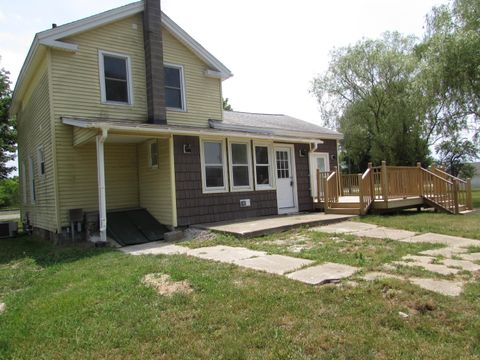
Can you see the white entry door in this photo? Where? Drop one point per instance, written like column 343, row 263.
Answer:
column 286, row 185
column 318, row 161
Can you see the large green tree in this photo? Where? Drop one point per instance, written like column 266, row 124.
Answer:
column 369, row 94
column 8, row 133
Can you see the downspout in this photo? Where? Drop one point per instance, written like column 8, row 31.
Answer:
column 102, row 204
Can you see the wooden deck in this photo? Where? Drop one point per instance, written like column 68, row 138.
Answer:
column 386, row 188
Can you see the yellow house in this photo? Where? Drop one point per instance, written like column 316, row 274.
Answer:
column 123, row 110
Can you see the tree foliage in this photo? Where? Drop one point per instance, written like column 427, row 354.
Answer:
column 9, row 195
column 226, row 105
column 8, row 133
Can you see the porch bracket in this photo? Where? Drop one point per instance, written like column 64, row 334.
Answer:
column 102, row 205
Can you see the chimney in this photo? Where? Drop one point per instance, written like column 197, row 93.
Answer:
column 153, row 44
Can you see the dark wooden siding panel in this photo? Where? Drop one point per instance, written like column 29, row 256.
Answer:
column 330, row 147
column 194, row 207
column 305, row 201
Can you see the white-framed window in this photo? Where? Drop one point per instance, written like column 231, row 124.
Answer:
column 214, row 165
column 153, row 154
column 41, row 161
column 263, row 164
column 240, row 165
column 31, row 177
column 115, row 78
column 24, row 182
column 174, row 87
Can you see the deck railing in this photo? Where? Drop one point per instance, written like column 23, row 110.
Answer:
column 385, row 183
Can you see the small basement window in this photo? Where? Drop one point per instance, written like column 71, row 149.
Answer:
column 213, row 166
column 153, row 154
column 174, row 87
column 115, row 78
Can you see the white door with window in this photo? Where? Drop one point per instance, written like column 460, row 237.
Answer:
column 318, row 161
column 286, row 184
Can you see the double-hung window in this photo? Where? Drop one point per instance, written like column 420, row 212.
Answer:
column 174, row 87
column 240, row 166
column 214, row 166
column 115, row 78
column 263, row 167
column 153, row 154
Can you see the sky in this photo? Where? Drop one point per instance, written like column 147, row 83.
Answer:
column 273, row 47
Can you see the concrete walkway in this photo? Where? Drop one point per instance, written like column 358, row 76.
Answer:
column 449, row 260
column 293, row 267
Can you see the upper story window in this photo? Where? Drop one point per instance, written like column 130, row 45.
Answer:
column 115, row 78
column 174, row 87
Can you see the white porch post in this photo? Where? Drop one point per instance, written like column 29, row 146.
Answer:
column 102, row 204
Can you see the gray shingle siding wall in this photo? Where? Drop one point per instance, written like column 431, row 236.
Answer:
column 305, row 201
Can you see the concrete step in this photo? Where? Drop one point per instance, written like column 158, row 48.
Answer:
column 344, row 211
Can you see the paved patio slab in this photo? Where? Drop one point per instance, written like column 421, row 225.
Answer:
column 226, row 254
column 436, row 268
column 447, row 252
column 274, row 264
column 155, row 248
column 463, row 264
column 444, row 287
column 269, row 224
column 344, row 227
column 419, row 259
column 323, row 273
column 471, row 256
column 385, row 233
column 451, row 241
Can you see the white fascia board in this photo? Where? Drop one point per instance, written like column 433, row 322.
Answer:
column 195, row 47
column 216, row 125
column 191, row 132
column 60, row 45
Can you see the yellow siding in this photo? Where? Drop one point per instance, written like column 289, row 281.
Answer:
column 155, row 184
column 34, row 131
column 82, row 136
column 203, row 94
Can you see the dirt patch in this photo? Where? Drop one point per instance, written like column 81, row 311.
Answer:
column 199, row 235
column 163, row 285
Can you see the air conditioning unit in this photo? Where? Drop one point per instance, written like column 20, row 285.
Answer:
column 8, row 229
column 245, row 203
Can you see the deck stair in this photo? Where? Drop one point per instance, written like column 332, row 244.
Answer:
column 386, row 188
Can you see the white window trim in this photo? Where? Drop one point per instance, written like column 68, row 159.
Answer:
column 230, row 165
column 150, row 165
column 24, row 182
column 39, row 162
column 271, row 185
column 218, row 189
column 31, row 179
column 182, row 89
column 312, row 159
column 101, row 67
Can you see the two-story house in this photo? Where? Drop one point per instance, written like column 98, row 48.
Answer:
column 123, row 110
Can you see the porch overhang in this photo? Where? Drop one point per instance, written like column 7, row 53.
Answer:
column 85, row 131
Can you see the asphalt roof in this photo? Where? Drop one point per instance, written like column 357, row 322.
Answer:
column 274, row 121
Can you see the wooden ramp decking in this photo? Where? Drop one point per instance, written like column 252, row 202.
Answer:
column 386, row 188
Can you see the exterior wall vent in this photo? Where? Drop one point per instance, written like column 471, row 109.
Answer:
column 245, row 203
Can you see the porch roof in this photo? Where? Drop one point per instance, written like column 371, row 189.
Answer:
column 92, row 127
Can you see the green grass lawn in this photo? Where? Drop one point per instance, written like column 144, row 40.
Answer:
column 82, row 303
column 457, row 225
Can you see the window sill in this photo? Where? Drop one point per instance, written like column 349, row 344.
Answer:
column 214, row 191
column 176, row 109
column 116, row 103
column 266, row 187
column 241, row 189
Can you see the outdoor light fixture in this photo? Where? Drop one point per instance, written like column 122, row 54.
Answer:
column 302, row 153
column 187, row 148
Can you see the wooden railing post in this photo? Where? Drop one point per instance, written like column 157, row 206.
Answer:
column 338, row 182
column 325, row 194
column 419, row 178
column 469, row 194
column 360, row 195
column 455, row 195
column 384, row 181
column 372, row 181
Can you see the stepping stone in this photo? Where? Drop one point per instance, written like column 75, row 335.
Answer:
column 385, row 233
column 371, row 276
column 226, row 254
column 444, row 287
column 421, row 260
column 451, row 241
column 346, row 227
column 320, row 274
column 447, row 252
column 463, row 264
column 471, row 256
column 436, row 268
column 274, row 264
column 155, row 248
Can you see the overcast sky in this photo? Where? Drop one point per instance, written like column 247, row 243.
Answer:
column 273, row 47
